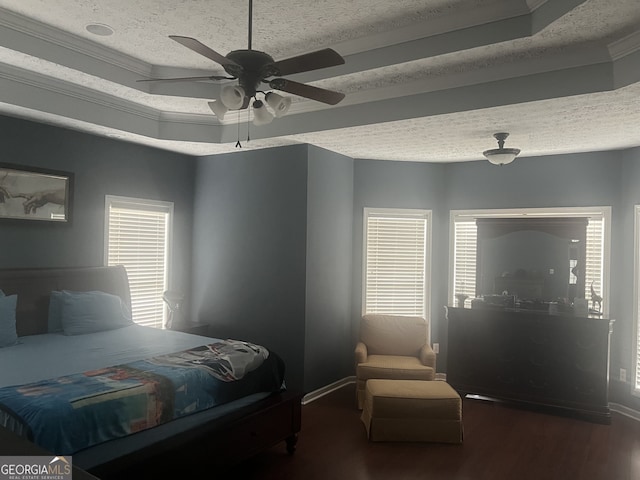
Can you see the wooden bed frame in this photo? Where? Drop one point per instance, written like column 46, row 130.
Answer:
column 220, row 442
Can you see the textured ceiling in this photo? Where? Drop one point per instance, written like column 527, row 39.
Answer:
column 427, row 80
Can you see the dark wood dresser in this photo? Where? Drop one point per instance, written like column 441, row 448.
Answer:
column 557, row 361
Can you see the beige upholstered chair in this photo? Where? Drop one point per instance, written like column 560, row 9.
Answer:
column 392, row 347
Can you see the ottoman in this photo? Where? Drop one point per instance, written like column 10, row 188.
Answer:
column 412, row 411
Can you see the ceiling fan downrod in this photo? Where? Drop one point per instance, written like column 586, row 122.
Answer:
column 250, row 22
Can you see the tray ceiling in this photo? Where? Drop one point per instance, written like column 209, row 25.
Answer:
column 428, row 80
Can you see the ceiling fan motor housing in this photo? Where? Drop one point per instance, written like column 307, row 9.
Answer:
column 252, row 67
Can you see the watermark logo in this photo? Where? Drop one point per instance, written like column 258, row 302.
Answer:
column 42, row 467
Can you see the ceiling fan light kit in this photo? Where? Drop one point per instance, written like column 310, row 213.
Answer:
column 218, row 108
column 251, row 68
column 261, row 116
column 232, row 96
column 279, row 104
column 501, row 155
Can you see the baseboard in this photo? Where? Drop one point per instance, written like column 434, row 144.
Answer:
column 321, row 392
column 626, row 411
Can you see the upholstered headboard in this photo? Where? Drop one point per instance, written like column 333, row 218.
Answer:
column 34, row 286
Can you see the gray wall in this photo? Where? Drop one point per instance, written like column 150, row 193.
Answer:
column 623, row 276
column 272, row 256
column 101, row 167
column 328, row 351
column 249, row 270
column 386, row 184
column 578, row 180
column 554, row 181
column 267, row 264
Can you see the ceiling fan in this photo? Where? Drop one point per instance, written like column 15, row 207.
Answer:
column 252, row 68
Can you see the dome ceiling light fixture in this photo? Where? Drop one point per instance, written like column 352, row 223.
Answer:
column 501, row 155
column 253, row 68
column 99, row 29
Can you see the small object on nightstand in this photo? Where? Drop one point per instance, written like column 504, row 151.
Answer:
column 461, row 297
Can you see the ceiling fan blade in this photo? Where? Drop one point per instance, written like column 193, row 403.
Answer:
column 202, row 49
column 185, row 79
column 309, row 61
column 307, row 91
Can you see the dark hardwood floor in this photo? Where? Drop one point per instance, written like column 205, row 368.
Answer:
column 500, row 443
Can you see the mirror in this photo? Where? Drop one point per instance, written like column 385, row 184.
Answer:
column 533, row 259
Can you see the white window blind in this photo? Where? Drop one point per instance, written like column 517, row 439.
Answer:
column 595, row 256
column 395, row 264
column 464, row 258
column 138, row 236
column 636, row 307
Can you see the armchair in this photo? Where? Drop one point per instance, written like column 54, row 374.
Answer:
column 392, row 347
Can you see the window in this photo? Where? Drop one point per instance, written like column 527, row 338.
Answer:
column 636, row 306
column 138, row 236
column 595, row 256
column 465, row 233
column 464, row 240
column 396, row 261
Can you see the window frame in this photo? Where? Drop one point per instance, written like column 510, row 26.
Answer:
column 635, row 390
column 144, row 204
column 600, row 211
column 428, row 215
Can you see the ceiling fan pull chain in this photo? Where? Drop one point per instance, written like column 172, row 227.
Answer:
column 248, row 124
column 238, row 144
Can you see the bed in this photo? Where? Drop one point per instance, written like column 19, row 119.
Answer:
column 193, row 433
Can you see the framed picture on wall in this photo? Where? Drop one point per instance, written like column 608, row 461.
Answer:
column 29, row 193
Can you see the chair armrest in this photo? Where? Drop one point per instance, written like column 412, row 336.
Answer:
column 428, row 356
column 361, row 353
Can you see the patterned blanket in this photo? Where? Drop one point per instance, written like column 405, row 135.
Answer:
column 70, row 413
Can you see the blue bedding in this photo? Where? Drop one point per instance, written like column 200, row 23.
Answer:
column 73, row 412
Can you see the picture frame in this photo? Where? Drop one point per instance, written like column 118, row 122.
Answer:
column 35, row 194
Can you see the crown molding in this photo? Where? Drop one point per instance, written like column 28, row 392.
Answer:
column 497, row 21
column 460, row 19
column 564, row 64
column 625, row 46
column 31, row 90
column 72, row 90
column 50, row 36
column 535, row 4
column 189, row 118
